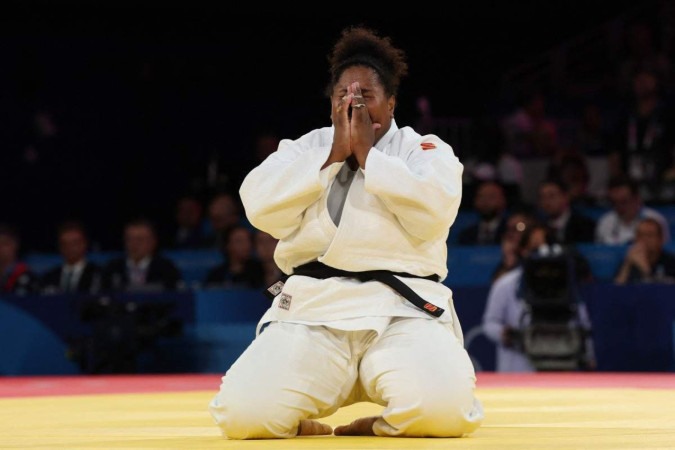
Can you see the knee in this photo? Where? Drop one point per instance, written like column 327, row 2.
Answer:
column 440, row 413
column 450, row 415
column 240, row 418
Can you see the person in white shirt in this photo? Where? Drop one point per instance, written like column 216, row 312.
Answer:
column 362, row 211
column 618, row 226
column 506, row 312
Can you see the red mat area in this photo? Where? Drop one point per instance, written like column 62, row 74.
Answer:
column 117, row 384
column 105, row 384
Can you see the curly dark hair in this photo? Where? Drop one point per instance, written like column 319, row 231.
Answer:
column 361, row 46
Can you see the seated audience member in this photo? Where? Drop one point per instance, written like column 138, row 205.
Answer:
column 505, row 312
column 224, row 212
column 573, row 171
column 617, row 226
column 142, row 267
column 529, row 132
column 646, row 260
column 516, row 224
column 240, row 269
column 265, row 245
column 76, row 274
column 568, row 225
column 16, row 277
column 189, row 232
column 490, row 203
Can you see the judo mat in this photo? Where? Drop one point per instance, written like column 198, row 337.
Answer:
column 523, row 411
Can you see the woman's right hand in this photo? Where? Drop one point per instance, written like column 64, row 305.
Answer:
column 341, row 149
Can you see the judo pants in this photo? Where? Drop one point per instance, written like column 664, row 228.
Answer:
column 417, row 370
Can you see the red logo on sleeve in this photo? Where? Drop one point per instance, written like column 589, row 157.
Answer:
column 428, row 145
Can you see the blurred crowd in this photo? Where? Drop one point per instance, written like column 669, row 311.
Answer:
column 593, row 162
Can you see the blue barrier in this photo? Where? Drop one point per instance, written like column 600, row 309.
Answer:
column 29, row 347
column 604, row 260
column 195, row 264
column 462, row 221
column 474, row 265
column 633, row 329
column 471, row 265
column 633, row 326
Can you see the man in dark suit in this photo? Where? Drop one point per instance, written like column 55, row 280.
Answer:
column 142, row 268
column 490, row 204
column 569, row 226
column 76, row 274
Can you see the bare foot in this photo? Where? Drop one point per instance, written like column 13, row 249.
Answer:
column 359, row 427
column 313, row 428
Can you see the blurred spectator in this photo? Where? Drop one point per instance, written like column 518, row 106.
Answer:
column 76, row 274
column 15, row 276
column 593, row 138
column 265, row 245
column 43, row 179
column 190, row 232
column 425, row 122
column 264, row 143
column 592, row 145
column 240, row 269
column 488, row 159
column 516, row 224
column 506, row 313
column 642, row 52
column 528, row 131
column 646, row 260
column 572, row 170
column 489, row 202
column 645, row 138
column 224, row 213
column 568, row 225
column 142, row 267
column 618, row 226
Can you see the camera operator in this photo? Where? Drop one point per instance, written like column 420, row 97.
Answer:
column 503, row 319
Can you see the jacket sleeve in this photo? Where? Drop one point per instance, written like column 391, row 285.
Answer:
column 423, row 191
column 277, row 193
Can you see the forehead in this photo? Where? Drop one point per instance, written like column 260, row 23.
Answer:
column 366, row 76
column 489, row 189
column 71, row 234
column 138, row 230
column 240, row 232
column 620, row 191
column 537, row 236
column 550, row 188
column 649, row 227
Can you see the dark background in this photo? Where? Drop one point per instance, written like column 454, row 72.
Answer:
column 145, row 96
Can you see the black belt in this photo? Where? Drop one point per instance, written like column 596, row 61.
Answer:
column 321, row 271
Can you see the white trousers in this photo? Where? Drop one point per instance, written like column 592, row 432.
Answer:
column 417, row 369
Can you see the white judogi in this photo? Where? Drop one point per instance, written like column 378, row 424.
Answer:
column 396, row 216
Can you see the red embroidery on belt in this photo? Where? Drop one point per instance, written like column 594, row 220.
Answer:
column 428, row 145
